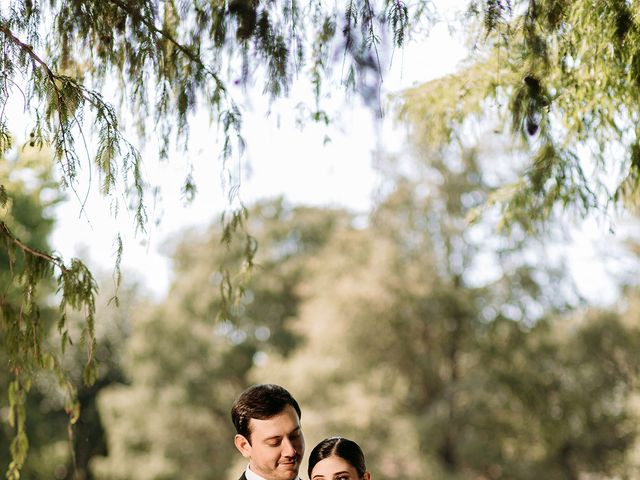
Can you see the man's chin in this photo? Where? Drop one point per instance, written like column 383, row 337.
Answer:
column 290, row 470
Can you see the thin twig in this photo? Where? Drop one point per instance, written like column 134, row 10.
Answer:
column 32, row 251
column 52, row 78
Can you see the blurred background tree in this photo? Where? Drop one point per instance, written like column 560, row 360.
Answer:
column 440, row 347
column 185, row 366
column 452, row 352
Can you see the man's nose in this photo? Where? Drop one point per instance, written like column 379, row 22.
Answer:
column 289, row 449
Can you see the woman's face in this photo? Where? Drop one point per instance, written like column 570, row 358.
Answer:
column 336, row 468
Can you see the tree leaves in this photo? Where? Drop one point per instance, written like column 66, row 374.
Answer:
column 562, row 75
column 26, row 277
column 18, row 390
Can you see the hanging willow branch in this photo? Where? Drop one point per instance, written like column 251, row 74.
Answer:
column 23, row 333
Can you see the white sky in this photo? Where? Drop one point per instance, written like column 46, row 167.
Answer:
column 284, row 160
column 280, row 159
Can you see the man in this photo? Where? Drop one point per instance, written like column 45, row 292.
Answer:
column 268, row 432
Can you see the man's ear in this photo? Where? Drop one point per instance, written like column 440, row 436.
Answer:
column 366, row 476
column 243, row 445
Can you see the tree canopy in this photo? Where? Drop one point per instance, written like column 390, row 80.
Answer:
column 562, row 76
column 95, row 79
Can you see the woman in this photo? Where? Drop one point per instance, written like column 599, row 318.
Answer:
column 337, row 458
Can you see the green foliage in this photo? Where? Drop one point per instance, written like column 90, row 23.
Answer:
column 568, row 386
column 57, row 449
column 563, row 76
column 26, row 282
column 170, row 59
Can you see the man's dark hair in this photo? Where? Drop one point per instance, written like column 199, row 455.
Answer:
column 260, row 402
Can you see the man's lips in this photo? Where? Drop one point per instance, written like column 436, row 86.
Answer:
column 288, row 463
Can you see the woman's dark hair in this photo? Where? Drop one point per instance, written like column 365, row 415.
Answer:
column 260, row 402
column 341, row 447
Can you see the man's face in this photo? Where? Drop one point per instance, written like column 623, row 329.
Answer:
column 276, row 447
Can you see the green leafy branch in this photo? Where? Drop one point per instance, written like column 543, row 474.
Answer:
column 24, row 334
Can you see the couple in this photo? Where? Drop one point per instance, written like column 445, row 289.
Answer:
column 268, row 434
